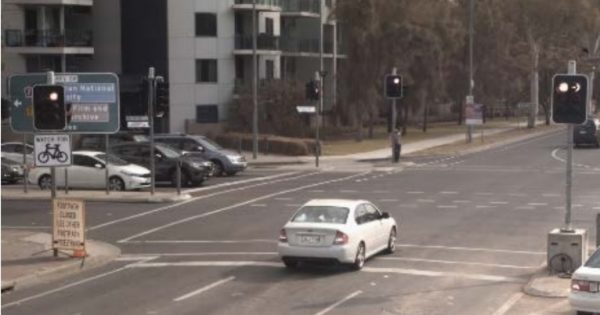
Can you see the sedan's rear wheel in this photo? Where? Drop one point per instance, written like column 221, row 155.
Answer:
column 45, row 182
column 391, row 242
column 359, row 261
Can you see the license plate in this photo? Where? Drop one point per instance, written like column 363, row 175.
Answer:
column 310, row 239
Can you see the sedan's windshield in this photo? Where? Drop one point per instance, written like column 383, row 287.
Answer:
column 594, row 261
column 112, row 159
column 321, row 214
column 209, row 144
column 168, row 151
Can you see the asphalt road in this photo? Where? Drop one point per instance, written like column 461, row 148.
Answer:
column 472, row 231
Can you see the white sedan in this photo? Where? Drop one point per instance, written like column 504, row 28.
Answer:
column 336, row 230
column 585, row 286
column 88, row 170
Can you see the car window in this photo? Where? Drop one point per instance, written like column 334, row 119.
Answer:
column 321, row 214
column 190, row 145
column 360, row 215
column 112, row 159
column 594, row 261
column 168, row 151
column 372, row 212
column 208, row 144
column 85, row 161
column 9, row 148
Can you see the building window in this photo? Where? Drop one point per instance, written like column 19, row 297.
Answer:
column 206, row 70
column 270, row 68
column 206, row 24
column 269, row 28
column 239, row 68
column 207, row 114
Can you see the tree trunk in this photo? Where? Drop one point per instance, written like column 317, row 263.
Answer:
column 425, row 106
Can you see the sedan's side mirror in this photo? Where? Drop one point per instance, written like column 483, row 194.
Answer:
column 385, row 215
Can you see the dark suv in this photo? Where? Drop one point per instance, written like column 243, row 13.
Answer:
column 587, row 133
column 225, row 161
column 193, row 171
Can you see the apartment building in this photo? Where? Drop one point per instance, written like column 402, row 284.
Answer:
column 203, row 48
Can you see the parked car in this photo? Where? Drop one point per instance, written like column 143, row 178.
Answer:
column 585, row 286
column 336, row 230
column 193, row 171
column 226, row 162
column 11, row 171
column 587, row 133
column 98, row 142
column 89, row 171
column 14, row 151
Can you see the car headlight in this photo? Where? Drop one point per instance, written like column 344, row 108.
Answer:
column 198, row 165
column 233, row 158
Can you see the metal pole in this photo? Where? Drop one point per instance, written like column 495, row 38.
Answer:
column 598, row 230
column 394, row 121
column 25, row 167
column 254, row 85
column 50, row 79
column 318, row 123
column 106, row 168
column 151, row 78
column 179, row 176
column 334, row 61
column 569, row 186
column 66, row 181
column 471, row 83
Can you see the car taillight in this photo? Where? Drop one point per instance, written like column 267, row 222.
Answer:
column 340, row 238
column 585, row 286
column 283, row 236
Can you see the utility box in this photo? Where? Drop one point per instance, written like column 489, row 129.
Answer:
column 567, row 250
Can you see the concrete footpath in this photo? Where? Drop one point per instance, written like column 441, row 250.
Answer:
column 27, row 259
column 95, row 195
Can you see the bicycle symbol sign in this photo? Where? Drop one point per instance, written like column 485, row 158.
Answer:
column 52, row 150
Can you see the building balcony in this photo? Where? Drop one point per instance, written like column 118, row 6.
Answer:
column 306, row 46
column 261, row 5
column 265, row 44
column 88, row 3
column 47, row 38
column 301, row 8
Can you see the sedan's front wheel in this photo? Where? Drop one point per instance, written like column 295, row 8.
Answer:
column 290, row 264
column 391, row 242
column 359, row 261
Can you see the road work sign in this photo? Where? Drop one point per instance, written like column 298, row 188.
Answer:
column 68, row 230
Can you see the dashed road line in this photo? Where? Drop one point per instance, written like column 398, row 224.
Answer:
column 203, row 289
column 336, row 304
column 415, row 192
column 451, row 262
column 536, row 204
column 509, row 304
column 498, row 202
column 448, row 192
column 447, row 206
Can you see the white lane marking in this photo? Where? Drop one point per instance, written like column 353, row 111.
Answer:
column 473, row 249
column 203, row 289
column 461, row 201
column 535, row 204
column 596, row 208
column 316, row 191
column 388, row 200
column 426, row 200
column 200, row 241
column 73, row 284
column 498, row 202
column 208, row 264
column 258, row 205
column 344, row 191
column 237, row 205
column 137, row 257
column 451, row 262
column 415, row 192
column 556, row 157
column 200, row 254
column 284, row 198
column 447, row 206
column 508, row 304
column 336, row 304
column 448, row 192
column 429, row 273
column 244, row 181
column 138, row 215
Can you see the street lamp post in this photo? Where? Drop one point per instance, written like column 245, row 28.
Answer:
column 254, row 86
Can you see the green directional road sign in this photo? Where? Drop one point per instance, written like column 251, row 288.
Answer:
column 93, row 99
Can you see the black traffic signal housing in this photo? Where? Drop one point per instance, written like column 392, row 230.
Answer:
column 162, row 99
column 393, row 86
column 49, row 111
column 313, row 90
column 569, row 98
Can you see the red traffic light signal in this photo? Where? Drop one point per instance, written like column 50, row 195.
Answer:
column 569, row 98
column 49, row 108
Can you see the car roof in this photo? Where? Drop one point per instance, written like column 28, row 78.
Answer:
column 88, row 153
column 346, row 203
column 19, row 143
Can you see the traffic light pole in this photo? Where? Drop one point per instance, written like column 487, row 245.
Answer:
column 151, row 78
column 569, row 186
column 50, row 79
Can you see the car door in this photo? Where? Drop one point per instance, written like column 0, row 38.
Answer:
column 162, row 164
column 366, row 227
column 380, row 228
column 86, row 172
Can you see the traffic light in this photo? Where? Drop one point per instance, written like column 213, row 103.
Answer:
column 162, row 99
column 49, row 107
column 393, row 86
column 569, row 98
column 313, row 90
